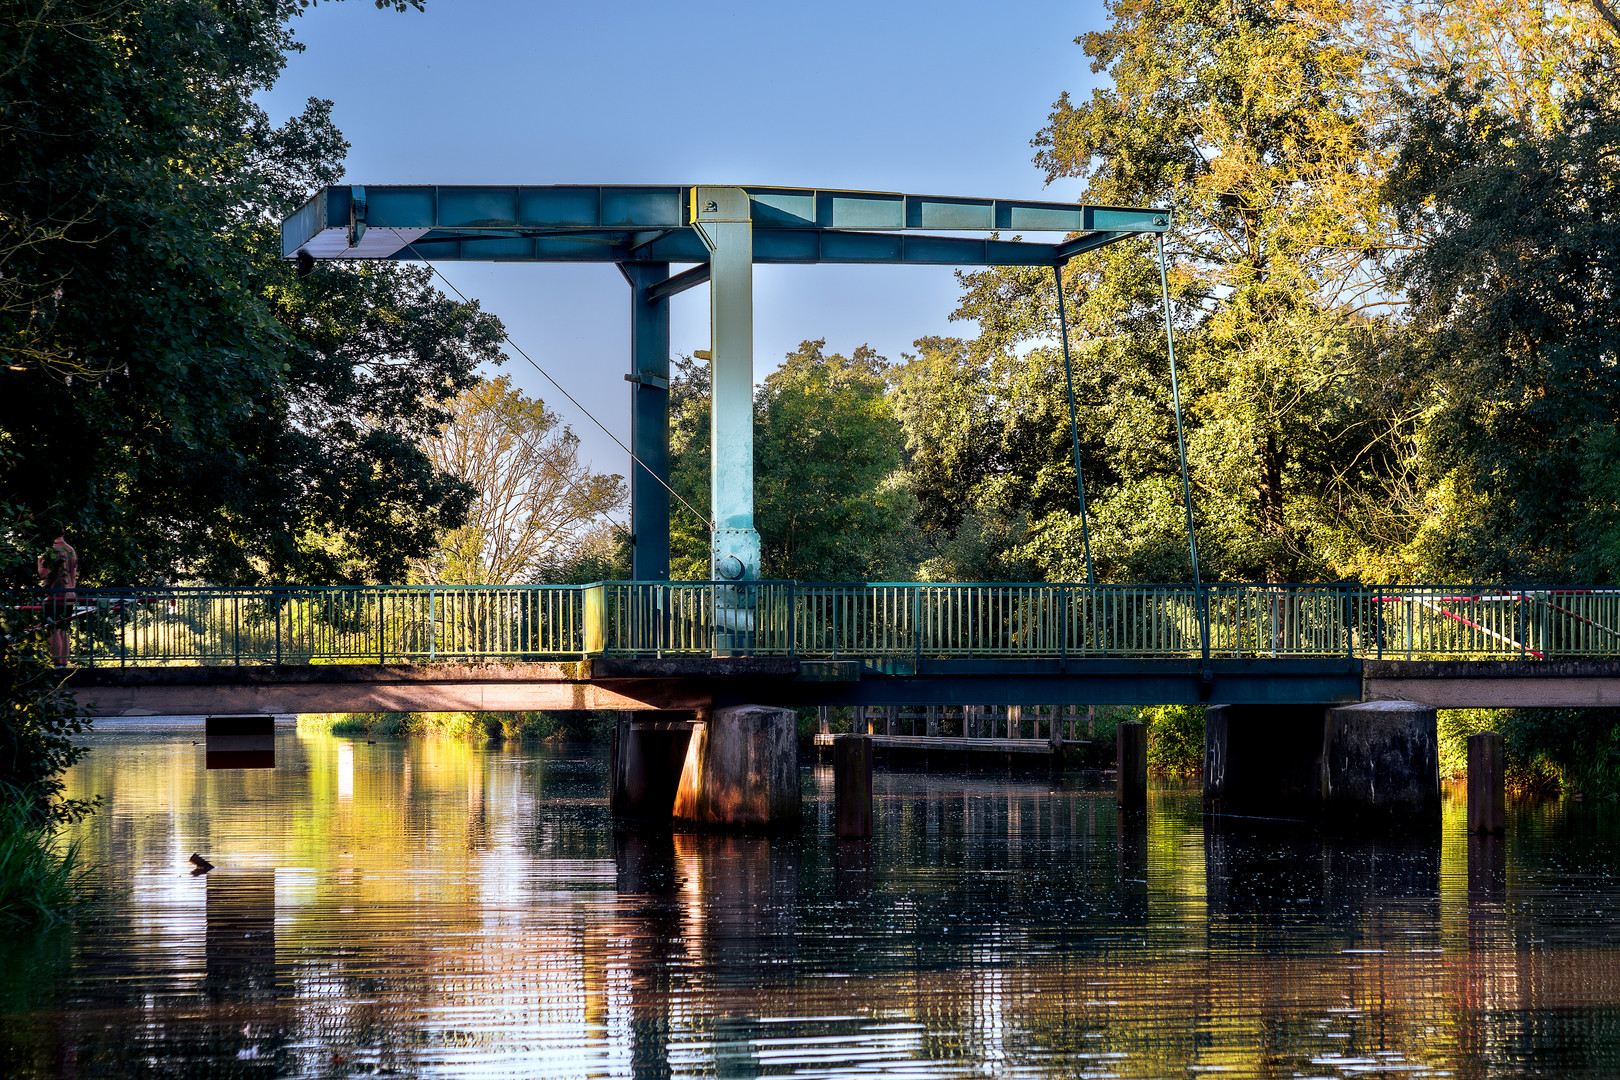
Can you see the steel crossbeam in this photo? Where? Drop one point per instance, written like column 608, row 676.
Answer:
column 724, row 232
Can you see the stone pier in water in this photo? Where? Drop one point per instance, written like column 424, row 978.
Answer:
column 729, row 768
column 1344, row 764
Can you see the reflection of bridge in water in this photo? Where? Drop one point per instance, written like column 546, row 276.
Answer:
column 445, row 890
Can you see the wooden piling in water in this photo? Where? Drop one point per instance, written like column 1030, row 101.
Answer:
column 852, row 786
column 1486, row 792
column 1130, row 744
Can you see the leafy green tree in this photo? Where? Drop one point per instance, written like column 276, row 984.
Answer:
column 1515, row 336
column 1247, row 120
column 831, row 500
column 689, row 399
column 175, row 392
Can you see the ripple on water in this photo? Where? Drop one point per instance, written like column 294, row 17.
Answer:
column 431, row 908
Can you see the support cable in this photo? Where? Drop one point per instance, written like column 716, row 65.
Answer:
column 1074, row 427
column 708, row 522
column 1181, row 448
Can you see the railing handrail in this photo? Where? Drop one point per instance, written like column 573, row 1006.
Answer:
column 891, row 622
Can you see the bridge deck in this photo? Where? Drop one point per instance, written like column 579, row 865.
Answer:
column 700, row 683
column 958, row 743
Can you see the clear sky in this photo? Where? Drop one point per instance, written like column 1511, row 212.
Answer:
column 889, row 95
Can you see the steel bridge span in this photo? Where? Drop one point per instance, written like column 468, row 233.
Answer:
column 681, row 646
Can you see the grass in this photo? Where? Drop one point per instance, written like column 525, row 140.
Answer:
column 41, row 878
column 475, row 726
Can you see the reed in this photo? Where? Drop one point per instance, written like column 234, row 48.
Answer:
column 42, row 877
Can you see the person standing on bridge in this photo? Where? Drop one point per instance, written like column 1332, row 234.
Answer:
column 59, row 571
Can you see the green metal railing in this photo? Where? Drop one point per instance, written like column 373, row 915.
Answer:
column 864, row 621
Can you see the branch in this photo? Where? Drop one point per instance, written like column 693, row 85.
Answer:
column 1608, row 15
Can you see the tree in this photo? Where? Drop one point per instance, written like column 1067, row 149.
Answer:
column 834, row 504
column 1248, row 120
column 1514, row 345
column 539, row 507
column 831, row 499
column 174, row 391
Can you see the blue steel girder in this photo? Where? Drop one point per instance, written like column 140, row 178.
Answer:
column 653, row 224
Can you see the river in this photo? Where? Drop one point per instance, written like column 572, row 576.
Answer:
column 438, row 909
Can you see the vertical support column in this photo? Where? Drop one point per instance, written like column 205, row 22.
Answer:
column 722, row 217
column 1486, row 810
column 1131, row 761
column 852, row 786
column 649, row 423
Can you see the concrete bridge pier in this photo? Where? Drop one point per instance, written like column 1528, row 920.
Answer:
column 645, row 757
column 741, row 770
column 730, row 768
column 1346, row 764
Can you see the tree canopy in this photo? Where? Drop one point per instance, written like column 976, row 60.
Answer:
column 176, row 395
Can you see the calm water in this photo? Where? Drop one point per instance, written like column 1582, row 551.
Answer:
column 436, row 909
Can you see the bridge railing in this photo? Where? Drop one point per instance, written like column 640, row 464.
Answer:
column 878, row 621
column 295, row 625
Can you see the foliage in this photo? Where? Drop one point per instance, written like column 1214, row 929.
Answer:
column 1545, row 751
column 1175, row 739
column 537, row 502
column 831, row 503
column 176, row 393
column 41, row 878
column 1247, row 120
column 36, row 745
column 1515, row 341
column 600, row 554
column 476, row 726
column 689, row 396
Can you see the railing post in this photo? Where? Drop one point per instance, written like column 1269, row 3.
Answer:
column 433, row 624
column 379, row 626
column 1203, row 608
column 916, row 620
column 236, row 628
column 793, row 618
column 1524, row 624
column 275, row 614
column 1063, row 628
column 1378, row 622
column 1349, row 628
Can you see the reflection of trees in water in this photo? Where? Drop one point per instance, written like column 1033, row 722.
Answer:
column 464, row 904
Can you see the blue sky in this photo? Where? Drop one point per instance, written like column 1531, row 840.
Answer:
column 935, row 98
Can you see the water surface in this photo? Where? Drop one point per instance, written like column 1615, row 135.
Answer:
column 436, row 909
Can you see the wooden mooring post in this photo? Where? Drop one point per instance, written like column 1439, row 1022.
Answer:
column 1130, row 745
column 1486, row 791
column 852, row 786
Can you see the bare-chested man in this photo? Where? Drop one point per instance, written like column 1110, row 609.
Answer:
column 59, row 571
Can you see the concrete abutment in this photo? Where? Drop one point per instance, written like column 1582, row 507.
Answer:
column 1343, row 764
column 730, row 768
column 741, row 770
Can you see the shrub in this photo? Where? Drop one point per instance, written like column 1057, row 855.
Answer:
column 1546, row 750
column 36, row 747
column 476, row 726
column 41, row 879
column 1175, row 739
